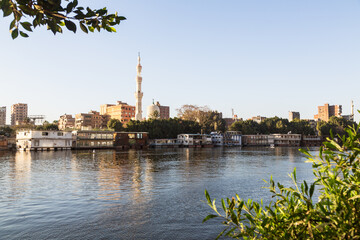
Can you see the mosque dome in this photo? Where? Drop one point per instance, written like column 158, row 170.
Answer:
column 153, row 111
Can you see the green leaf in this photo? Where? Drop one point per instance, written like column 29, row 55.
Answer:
column 70, row 25
column 312, row 187
column 26, row 25
column 207, row 197
column 83, row 27
column 12, row 24
column 14, row 33
column 209, row 217
column 23, row 34
column 7, row 11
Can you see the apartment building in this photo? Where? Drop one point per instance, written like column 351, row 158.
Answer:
column 293, row 116
column 66, row 121
column 19, row 113
column 327, row 111
column 91, row 120
column 121, row 111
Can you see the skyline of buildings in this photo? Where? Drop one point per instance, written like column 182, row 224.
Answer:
column 124, row 112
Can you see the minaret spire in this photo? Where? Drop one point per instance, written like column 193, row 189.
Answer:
column 138, row 93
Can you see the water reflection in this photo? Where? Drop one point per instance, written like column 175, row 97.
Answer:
column 151, row 194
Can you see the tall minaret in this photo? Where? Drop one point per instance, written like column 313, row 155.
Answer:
column 138, row 93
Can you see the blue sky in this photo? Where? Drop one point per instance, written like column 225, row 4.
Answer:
column 259, row 57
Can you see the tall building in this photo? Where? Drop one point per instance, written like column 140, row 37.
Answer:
column 293, row 116
column 138, row 93
column 2, row 116
column 121, row 111
column 327, row 111
column 19, row 113
column 164, row 111
column 66, row 121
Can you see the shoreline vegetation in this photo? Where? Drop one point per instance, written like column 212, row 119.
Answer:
column 293, row 213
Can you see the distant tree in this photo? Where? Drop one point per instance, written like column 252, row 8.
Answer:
column 115, row 124
column 246, row 127
column 301, row 127
column 208, row 120
column 273, row 125
column 7, row 131
column 163, row 128
column 192, row 113
column 336, row 125
column 51, row 127
column 155, row 115
column 47, row 127
column 55, row 14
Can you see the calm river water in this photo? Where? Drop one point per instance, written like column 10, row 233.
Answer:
column 152, row 194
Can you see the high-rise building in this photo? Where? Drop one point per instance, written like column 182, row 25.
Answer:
column 19, row 113
column 121, row 111
column 293, row 116
column 66, row 121
column 327, row 111
column 138, row 93
column 2, row 116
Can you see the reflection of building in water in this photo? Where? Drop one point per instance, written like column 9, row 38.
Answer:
column 122, row 173
column 21, row 177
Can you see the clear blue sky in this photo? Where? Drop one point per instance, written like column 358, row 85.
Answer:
column 259, row 57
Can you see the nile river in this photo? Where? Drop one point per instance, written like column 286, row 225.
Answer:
column 151, row 194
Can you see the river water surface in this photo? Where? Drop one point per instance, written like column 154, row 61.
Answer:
column 151, row 194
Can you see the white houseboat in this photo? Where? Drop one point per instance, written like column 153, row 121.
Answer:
column 43, row 140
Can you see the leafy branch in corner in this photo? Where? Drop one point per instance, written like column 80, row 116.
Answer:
column 54, row 14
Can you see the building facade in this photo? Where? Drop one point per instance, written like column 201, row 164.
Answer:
column 66, row 121
column 19, row 113
column 164, row 111
column 258, row 119
column 327, row 111
column 91, row 120
column 93, row 139
column 121, row 111
column 43, row 140
column 2, row 116
column 293, row 116
column 194, row 140
column 126, row 140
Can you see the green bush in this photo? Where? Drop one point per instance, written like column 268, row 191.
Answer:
column 293, row 214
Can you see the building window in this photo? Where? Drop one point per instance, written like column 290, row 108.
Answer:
column 45, row 133
column 60, row 134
